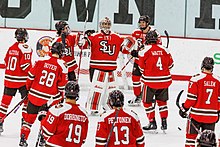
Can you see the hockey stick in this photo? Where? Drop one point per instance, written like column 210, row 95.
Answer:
column 80, row 55
column 15, row 107
column 131, row 58
column 182, row 109
column 168, row 38
column 113, row 125
column 38, row 138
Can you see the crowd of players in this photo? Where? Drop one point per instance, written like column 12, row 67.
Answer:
column 49, row 89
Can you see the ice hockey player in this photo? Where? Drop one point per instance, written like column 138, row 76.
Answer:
column 46, row 81
column 105, row 47
column 69, row 40
column 17, row 63
column 155, row 63
column 139, row 36
column 206, row 139
column 65, row 124
column 203, row 101
column 119, row 127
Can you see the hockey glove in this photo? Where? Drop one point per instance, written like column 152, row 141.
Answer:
column 43, row 112
column 182, row 111
column 134, row 53
column 89, row 32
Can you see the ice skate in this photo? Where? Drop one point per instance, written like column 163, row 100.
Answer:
column 135, row 101
column 42, row 142
column 1, row 127
column 94, row 113
column 23, row 142
column 164, row 125
column 151, row 128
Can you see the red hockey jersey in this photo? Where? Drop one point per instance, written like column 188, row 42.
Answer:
column 155, row 63
column 17, row 62
column 139, row 36
column 127, row 130
column 203, row 97
column 69, row 51
column 65, row 126
column 104, row 50
column 46, row 79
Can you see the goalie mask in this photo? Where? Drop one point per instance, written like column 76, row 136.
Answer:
column 207, row 139
column 116, row 98
column 151, row 37
column 72, row 90
column 105, row 25
column 143, row 22
column 62, row 27
column 208, row 63
column 21, row 34
column 57, row 48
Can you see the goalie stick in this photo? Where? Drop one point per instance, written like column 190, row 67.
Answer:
column 182, row 109
column 113, row 125
column 16, row 107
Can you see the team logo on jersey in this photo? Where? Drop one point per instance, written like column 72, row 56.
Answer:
column 43, row 46
column 107, row 48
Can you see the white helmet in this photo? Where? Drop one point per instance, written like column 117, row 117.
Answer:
column 105, row 25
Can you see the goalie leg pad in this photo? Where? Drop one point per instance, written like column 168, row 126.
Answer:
column 111, row 85
column 97, row 90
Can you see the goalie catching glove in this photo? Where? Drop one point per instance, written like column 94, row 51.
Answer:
column 182, row 111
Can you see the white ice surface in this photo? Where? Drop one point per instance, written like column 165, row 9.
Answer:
column 173, row 138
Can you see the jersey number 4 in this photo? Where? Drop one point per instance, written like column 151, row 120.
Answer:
column 159, row 64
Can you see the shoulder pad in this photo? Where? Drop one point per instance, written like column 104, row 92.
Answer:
column 197, row 77
column 105, row 114
column 43, row 58
column 143, row 51
column 132, row 113
column 216, row 77
column 24, row 48
column 57, row 110
column 83, row 110
column 63, row 65
column 164, row 48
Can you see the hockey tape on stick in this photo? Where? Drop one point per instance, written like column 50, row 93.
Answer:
column 182, row 109
column 168, row 39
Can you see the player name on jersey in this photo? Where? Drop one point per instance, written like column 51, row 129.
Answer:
column 13, row 52
column 50, row 66
column 119, row 120
column 75, row 117
column 209, row 83
column 155, row 53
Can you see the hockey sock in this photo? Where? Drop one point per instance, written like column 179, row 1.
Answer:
column 136, row 85
column 163, row 109
column 150, row 111
column 6, row 100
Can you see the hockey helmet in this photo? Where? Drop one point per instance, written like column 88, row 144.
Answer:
column 21, row 34
column 60, row 26
column 57, row 48
column 151, row 37
column 105, row 25
column 208, row 63
column 207, row 139
column 146, row 19
column 72, row 90
column 116, row 98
